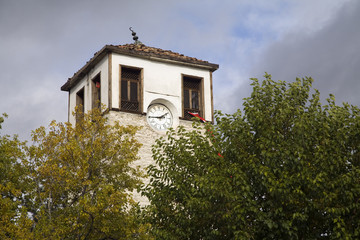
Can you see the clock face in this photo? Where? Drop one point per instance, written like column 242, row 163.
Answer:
column 159, row 117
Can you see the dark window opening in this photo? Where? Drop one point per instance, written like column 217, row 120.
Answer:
column 124, row 90
column 195, row 100
column 96, row 92
column 186, row 98
column 130, row 89
column 80, row 104
column 191, row 96
column 133, row 91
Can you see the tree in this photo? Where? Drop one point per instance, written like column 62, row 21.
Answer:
column 14, row 223
column 82, row 180
column 286, row 167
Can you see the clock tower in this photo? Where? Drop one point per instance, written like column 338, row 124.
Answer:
column 144, row 86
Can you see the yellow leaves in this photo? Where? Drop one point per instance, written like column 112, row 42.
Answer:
column 83, row 174
column 11, row 229
column 12, row 186
column 73, row 180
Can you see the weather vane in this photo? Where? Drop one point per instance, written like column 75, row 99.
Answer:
column 135, row 38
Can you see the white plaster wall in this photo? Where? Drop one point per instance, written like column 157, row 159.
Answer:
column 161, row 80
column 102, row 68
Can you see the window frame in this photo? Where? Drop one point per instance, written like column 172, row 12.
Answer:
column 201, row 108
column 80, row 101
column 139, row 88
column 96, row 92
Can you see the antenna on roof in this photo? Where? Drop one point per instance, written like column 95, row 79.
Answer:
column 135, row 38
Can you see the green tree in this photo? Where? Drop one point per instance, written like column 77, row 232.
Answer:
column 286, row 167
column 82, row 180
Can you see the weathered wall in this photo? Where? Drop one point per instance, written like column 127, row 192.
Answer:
column 102, row 69
column 161, row 81
column 146, row 136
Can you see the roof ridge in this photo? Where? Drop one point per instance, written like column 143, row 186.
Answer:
column 158, row 51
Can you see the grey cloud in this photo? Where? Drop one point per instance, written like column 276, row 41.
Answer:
column 331, row 56
column 42, row 43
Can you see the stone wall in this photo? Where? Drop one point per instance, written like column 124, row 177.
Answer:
column 146, row 136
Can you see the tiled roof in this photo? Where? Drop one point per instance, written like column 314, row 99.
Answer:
column 141, row 51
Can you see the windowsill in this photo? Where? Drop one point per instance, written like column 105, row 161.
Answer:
column 182, row 118
column 128, row 111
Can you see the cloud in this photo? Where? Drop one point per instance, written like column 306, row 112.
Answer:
column 42, row 43
column 330, row 54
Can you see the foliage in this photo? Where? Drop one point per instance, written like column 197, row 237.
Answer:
column 289, row 168
column 14, row 223
column 83, row 180
column 78, row 182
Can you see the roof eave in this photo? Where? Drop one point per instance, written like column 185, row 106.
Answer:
column 209, row 66
column 110, row 48
column 86, row 68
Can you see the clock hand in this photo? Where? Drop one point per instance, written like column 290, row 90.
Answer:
column 161, row 116
column 156, row 116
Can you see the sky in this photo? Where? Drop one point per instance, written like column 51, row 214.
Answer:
column 44, row 42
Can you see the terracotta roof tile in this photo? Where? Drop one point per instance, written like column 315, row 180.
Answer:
column 141, row 48
column 137, row 50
